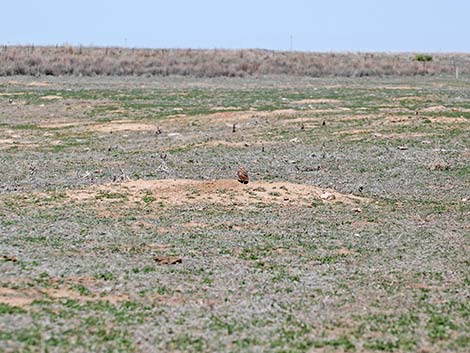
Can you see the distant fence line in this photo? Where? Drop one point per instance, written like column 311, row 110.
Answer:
column 114, row 61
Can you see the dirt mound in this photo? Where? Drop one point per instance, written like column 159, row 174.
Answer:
column 223, row 192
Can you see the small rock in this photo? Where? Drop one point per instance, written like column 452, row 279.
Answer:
column 9, row 258
column 174, row 134
column 311, row 169
column 168, row 260
column 402, row 148
column 357, row 210
column 328, row 196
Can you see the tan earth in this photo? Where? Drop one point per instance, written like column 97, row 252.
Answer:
column 51, row 97
column 227, row 192
column 317, row 101
column 31, row 84
column 116, row 126
column 23, row 297
column 437, row 108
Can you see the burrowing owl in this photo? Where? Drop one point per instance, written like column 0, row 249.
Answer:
column 242, row 175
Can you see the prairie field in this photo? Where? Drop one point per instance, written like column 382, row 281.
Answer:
column 123, row 227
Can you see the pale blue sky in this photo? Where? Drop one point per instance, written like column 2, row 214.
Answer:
column 334, row 25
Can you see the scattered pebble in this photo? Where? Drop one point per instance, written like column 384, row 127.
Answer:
column 168, row 260
column 174, row 134
column 9, row 258
column 328, row 196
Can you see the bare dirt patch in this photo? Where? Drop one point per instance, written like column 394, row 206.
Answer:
column 447, row 119
column 195, row 225
column 225, row 108
column 52, row 97
column 12, row 94
column 411, row 98
column 9, row 142
column 397, row 119
column 226, row 192
column 59, row 125
column 353, row 132
column 316, row 101
column 433, row 109
column 23, row 297
column 30, row 84
column 403, row 87
column 118, row 126
column 405, row 135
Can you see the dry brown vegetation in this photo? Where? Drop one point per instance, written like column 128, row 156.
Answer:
column 89, row 61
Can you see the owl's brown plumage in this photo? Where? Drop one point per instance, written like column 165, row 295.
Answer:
column 243, row 175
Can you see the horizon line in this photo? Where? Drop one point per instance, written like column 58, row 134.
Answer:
column 92, row 46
